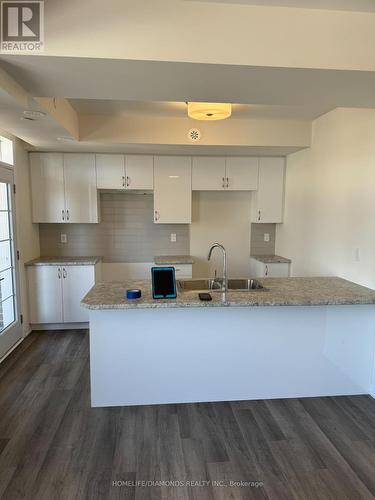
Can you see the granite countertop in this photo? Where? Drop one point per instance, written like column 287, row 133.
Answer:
column 64, row 261
column 169, row 260
column 271, row 259
column 277, row 292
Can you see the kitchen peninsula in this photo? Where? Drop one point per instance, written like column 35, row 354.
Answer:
column 296, row 337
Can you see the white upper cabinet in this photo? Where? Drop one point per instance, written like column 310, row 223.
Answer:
column 63, row 187
column 172, row 190
column 81, row 197
column 110, row 171
column 139, row 172
column 219, row 173
column 128, row 172
column 47, row 185
column 268, row 201
column 208, row 173
column 242, row 173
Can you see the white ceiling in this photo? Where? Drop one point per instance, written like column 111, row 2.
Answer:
column 349, row 5
column 179, row 109
column 314, row 91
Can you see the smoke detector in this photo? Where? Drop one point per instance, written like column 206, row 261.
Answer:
column 194, row 135
column 32, row 115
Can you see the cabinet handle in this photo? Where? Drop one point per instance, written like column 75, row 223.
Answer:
column 63, row 214
column 67, row 215
column 223, row 185
column 127, row 181
column 157, row 215
column 123, row 181
column 266, row 273
column 258, row 214
column 59, row 273
column 227, row 182
column 64, row 273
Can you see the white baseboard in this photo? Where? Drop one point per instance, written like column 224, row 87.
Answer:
column 60, row 326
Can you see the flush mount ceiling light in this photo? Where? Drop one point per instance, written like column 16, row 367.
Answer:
column 32, row 115
column 209, row 110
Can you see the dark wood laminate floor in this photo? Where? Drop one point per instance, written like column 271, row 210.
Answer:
column 54, row 446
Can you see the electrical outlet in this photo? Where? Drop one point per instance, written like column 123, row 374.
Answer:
column 266, row 237
column 173, row 237
column 63, row 238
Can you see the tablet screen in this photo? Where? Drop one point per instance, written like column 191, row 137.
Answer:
column 163, row 283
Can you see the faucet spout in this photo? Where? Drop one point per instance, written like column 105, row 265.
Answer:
column 225, row 277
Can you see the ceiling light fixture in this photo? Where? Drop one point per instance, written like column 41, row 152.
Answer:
column 209, row 110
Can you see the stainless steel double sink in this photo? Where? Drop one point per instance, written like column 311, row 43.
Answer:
column 215, row 285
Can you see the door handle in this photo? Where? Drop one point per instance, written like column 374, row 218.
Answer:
column 67, row 215
column 59, row 273
column 63, row 214
column 227, row 182
column 258, row 214
column 64, row 273
column 123, row 181
column 223, row 184
column 127, row 181
column 266, row 273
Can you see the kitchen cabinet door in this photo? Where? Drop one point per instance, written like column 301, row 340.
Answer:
column 45, row 294
column 271, row 270
column 208, row 173
column 172, row 190
column 242, row 174
column 139, row 172
column 47, row 187
column 110, row 171
column 268, row 201
column 81, row 196
column 76, row 282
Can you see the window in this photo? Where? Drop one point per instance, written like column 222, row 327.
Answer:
column 6, row 150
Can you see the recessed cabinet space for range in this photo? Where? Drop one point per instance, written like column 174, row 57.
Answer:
column 267, row 204
column 64, row 188
column 225, row 174
column 172, row 189
column 130, row 172
column 55, row 292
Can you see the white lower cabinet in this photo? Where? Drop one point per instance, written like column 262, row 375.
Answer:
column 55, row 292
column 45, row 294
column 270, row 270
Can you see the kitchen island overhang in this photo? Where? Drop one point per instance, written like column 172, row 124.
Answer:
column 153, row 352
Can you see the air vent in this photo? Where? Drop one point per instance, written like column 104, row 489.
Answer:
column 194, row 135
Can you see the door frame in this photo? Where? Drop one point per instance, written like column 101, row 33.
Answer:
column 13, row 332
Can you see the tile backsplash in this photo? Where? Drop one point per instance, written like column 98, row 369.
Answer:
column 257, row 245
column 126, row 233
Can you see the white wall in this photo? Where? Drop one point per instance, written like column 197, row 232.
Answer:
column 330, row 200
column 27, row 232
column 222, row 217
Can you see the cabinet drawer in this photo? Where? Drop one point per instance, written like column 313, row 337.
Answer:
column 181, row 270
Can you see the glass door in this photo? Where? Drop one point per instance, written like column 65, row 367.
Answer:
column 10, row 326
